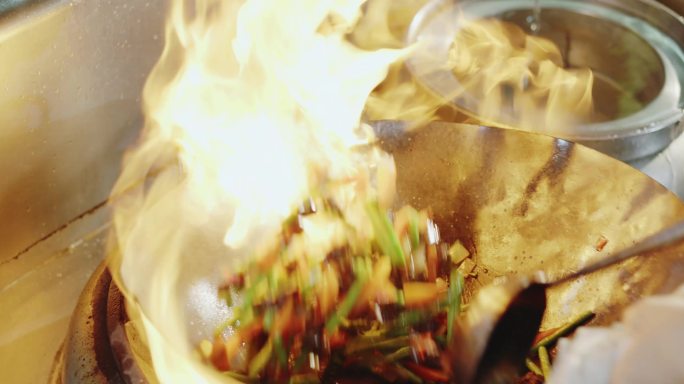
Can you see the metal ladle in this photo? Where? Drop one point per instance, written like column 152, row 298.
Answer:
column 492, row 339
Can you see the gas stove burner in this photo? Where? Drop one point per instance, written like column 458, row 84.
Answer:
column 97, row 348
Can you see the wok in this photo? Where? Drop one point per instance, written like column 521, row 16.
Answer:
column 520, row 202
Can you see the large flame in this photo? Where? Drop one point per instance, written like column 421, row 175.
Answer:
column 252, row 107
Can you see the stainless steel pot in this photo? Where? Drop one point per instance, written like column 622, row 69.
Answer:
column 633, row 45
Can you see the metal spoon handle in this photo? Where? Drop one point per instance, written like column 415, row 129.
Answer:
column 662, row 239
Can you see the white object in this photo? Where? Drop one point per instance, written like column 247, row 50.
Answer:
column 668, row 167
column 644, row 348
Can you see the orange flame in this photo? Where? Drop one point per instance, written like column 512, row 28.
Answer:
column 253, row 106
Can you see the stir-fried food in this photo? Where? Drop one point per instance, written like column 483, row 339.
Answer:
column 341, row 304
column 384, row 307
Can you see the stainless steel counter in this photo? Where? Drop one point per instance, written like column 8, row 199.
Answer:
column 70, row 84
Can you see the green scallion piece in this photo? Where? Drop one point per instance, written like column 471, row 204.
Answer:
column 399, row 354
column 248, row 297
column 269, row 318
column 259, row 361
column 301, row 359
column 456, row 282
column 281, row 354
column 346, row 305
column 363, row 344
column 544, row 361
column 401, row 301
column 534, row 368
column 409, row 318
column 564, row 330
column 385, row 236
column 414, row 234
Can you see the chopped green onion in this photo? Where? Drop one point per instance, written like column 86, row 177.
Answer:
column 281, row 354
column 248, row 296
column 401, row 301
column 272, row 284
column 399, row 354
column 362, row 344
column 455, row 291
column 533, row 367
column 385, row 236
column 564, row 330
column 544, row 361
column 409, row 318
column 269, row 317
column 301, row 359
column 346, row 305
column 414, row 234
column 259, row 361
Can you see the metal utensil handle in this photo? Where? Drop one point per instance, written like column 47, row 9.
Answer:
column 662, row 239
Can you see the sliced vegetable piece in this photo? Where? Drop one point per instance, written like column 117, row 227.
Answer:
column 401, row 301
column 564, row 330
column 432, row 261
column 534, row 368
column 467, row 267
column 458, row 253
column 363, row 344
column 399, row 354
column 248, row 296
column 385, row 235
column 456, row 282
column 269, row 317
column 414, row 231
column 346, row 305
column 420, row 293
column 544, row 361
column 409, row 318
column 281, row 354
column 261, row 359
column 329, row 290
